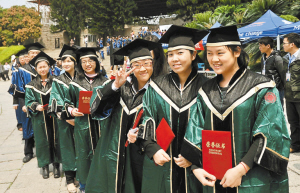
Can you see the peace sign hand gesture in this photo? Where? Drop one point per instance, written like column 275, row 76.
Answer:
column 121, row 76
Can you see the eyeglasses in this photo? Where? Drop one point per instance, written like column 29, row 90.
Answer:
column 139, row 65
column 90, row 62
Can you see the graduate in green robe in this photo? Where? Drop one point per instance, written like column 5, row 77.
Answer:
column 86, row 130
column 247, row 105
column 60, row 87
column 116, row 106
column 173, row 97
column 45, row 130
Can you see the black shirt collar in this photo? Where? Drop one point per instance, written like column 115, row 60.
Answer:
column 175, row 77
column 234, row 78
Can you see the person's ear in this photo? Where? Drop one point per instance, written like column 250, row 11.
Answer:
column 238, row 52
column 194, row 55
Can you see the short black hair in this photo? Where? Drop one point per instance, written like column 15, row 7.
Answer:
column 266, row 41
column 293, row 38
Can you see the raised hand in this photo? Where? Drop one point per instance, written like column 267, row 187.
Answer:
column 122, row 75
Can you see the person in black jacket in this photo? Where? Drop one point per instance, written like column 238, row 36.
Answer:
column 272, row 64
column 291, row 45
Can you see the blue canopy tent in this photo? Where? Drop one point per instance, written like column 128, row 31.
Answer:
column 291, row 28
column 266, row 25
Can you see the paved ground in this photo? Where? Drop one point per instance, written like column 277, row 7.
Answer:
column 17, row 177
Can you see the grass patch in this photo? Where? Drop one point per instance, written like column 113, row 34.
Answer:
column 8, row 51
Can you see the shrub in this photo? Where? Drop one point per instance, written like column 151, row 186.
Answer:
column 8, row 51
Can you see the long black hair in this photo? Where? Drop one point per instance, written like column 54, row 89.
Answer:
column 243, row 59
column 159, row 62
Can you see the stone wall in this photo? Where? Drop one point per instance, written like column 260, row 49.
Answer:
column 48, row 39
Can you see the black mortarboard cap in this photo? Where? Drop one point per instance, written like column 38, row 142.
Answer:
column 223, row 36
column 88, row 52
column 34, row 46
column 179, row 37
column 139, row 49
column 22, row 52
column 68, row 51
column 117, row 59
column 42, row 56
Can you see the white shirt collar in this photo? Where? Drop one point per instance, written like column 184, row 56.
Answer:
column 129, row 79
column 294, row 56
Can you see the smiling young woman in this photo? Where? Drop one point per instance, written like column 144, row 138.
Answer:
column 171, row 96
column 86, row 130
column 45, row 130
column 247, row 105
column 116, row 106
column 60, row 87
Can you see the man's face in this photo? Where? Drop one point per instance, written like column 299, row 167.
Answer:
column 287, row 46
column 264, row 48
column 33, row 53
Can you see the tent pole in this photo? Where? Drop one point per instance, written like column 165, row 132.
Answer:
column 278, row 42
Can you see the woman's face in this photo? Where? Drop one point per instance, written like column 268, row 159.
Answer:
column 88, row 65
column 221, row 59
column 42, row 68
column 181, row 60
column 143, row 70
column 68, row 64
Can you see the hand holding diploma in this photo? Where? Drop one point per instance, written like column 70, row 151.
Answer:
column 75, row 113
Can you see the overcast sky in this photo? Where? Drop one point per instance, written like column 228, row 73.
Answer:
column 9, row 3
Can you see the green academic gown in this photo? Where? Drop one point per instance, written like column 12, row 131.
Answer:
column 86, row 130
column 165, row 99
column 250, row 110
column 60, row 87
column 44, row 127
column 116, row 169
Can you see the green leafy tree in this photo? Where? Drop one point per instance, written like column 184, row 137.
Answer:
column 185, row 9
column 69, row 15
column 107, row 15
column 19, row 23
column 290, row 18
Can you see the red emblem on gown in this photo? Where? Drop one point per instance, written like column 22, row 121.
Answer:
column 270, row 97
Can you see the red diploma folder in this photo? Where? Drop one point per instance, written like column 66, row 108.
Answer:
column 216, row 152
column 84, row 102
column 164, row 135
